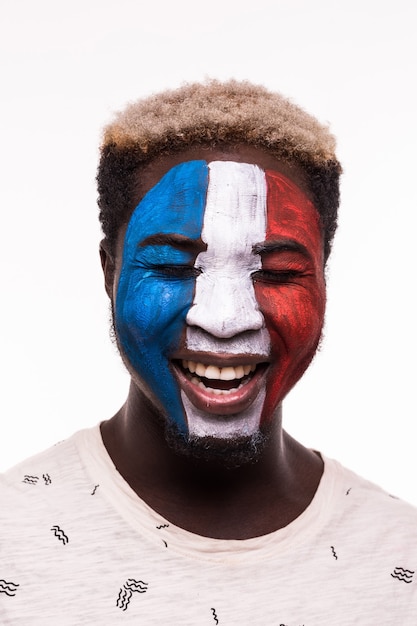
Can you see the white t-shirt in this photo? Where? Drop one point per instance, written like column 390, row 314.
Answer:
column 77, row 546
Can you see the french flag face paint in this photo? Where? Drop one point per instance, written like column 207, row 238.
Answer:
column 220, row 300
column 157, row 280
column 290, row 289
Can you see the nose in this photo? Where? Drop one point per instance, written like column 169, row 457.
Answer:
column 225, row 307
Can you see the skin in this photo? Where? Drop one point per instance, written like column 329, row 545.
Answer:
column 206, row 496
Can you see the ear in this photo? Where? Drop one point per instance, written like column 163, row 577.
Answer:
column 108, row 265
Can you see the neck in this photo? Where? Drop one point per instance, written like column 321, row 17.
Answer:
column 208, row 497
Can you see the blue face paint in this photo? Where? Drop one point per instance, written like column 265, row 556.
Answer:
column 157, row 282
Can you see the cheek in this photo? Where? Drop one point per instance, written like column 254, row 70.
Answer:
column 293, row 313
column 150, row 324
column 151, row 313
column 294, row 318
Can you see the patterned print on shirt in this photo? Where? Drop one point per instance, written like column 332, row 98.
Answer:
column 33, row 480
column 95, row 489
column 215, row 615
column 405, row 575
column 125, row 593
column 334, row 552
column 162, row 527
column 58, row 532
column 30, row 480
column 8, row 588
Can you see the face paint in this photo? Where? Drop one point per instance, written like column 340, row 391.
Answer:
column 156, row 283
column 220, row 332
column 225, row 318
column 291, row 288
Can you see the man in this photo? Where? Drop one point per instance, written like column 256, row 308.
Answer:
column 192, row 505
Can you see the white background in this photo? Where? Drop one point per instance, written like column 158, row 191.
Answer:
column 66, row 66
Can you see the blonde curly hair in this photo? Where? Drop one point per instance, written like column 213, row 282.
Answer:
column 214, row 114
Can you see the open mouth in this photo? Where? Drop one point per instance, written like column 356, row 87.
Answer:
column 220, row 390
column 220, row 381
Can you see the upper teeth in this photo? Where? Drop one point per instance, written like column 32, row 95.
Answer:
column 218, row 373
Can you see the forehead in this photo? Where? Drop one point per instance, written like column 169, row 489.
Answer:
column 175, row 191
column 232, row 207
column 158, row 167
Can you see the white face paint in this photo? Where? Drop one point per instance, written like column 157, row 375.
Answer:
column 225, row 318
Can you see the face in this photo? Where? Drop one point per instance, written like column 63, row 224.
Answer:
column 220, row 298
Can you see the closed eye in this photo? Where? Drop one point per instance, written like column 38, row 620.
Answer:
column 175, row 272
column 279, row 277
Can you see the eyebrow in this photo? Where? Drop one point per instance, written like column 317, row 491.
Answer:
column 280, row 245
column 176, row 241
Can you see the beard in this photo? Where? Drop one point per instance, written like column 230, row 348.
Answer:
column 229, row 453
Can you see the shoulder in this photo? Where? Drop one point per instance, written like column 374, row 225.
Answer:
column 33, row 470
column 366, row 493
column 49, row 476
column 368, row 513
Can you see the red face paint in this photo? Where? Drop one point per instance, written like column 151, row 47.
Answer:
column 290, row 289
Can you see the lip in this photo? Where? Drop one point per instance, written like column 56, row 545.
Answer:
column 222, row 405
column 221, row 359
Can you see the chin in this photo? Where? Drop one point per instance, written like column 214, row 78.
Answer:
column 230, row 453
